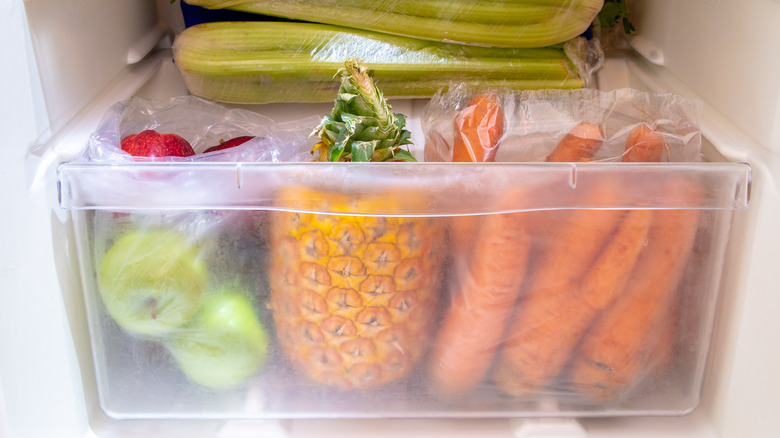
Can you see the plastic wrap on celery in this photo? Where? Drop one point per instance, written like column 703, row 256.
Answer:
column 257, row 62
column 519, row 23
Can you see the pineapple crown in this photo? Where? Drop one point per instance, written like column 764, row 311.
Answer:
column 362, row 125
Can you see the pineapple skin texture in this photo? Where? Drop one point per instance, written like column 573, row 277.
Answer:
column 354, row 298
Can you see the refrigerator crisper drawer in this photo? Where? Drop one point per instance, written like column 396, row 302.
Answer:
column 260, row 291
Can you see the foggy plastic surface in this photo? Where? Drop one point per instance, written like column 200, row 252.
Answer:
column 138, row 378
column 350, row 268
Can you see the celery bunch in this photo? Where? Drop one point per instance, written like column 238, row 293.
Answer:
column 501, row 23
column 259, row 62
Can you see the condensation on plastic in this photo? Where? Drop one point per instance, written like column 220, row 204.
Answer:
column 515, row 24
column 536, row 120
column 454, row 188
column 180, row 289
column 226, row 209
column 541, row 284
column 262, row 62
column 599, row 303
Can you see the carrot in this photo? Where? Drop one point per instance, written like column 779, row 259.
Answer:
column 635, row 334
column 483, row 297
column 550, row 321
column 644, row 144
column 578, row 145
column 481, row 304
column 478, row 128
column 568, row 239
column 549, row 325
column 619, row 346
column 493, row 265
column 580, row 142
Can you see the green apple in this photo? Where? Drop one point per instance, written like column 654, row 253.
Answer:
column 152, row 280
column 224, row 344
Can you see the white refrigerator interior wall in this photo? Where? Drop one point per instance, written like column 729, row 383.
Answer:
column 81, row 46
column 725, row 52
column 37, row 365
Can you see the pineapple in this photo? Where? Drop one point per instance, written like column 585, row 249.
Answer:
column 354, row 297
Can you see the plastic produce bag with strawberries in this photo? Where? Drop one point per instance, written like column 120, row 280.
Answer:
column 192, row 129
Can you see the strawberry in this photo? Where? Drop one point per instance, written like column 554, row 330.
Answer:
column 233, row 142
column 151, row 143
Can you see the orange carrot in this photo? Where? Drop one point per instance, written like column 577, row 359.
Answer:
column 551, row 316
column 634, row 334
column 580, row 142
column 570, row 239
column 478, row 128
column 549, row 324
column 493, row 266
column 476, row 318
column 617, row 349
column 644, row 144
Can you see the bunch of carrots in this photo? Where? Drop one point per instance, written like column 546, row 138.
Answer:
column 585, row 296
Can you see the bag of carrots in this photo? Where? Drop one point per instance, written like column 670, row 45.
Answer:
column 576, row 294
column 534, row 122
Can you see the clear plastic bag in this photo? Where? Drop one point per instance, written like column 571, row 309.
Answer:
column 203, row 124
column 568, row 300
column 498, row 24
column 263, row 62
column 181, row 286
column 535, row 122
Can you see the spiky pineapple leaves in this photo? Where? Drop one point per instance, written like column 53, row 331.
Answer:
column 362, row 126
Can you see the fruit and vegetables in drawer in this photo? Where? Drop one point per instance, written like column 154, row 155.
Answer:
column 543, row 251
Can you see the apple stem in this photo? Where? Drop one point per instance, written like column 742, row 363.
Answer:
column 151, row 303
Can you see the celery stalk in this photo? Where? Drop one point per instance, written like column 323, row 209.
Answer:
column 256, row 62
column 323, row 41
column 296, row 66
column 529, row 23
column 235, row 90
column 506, row 11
